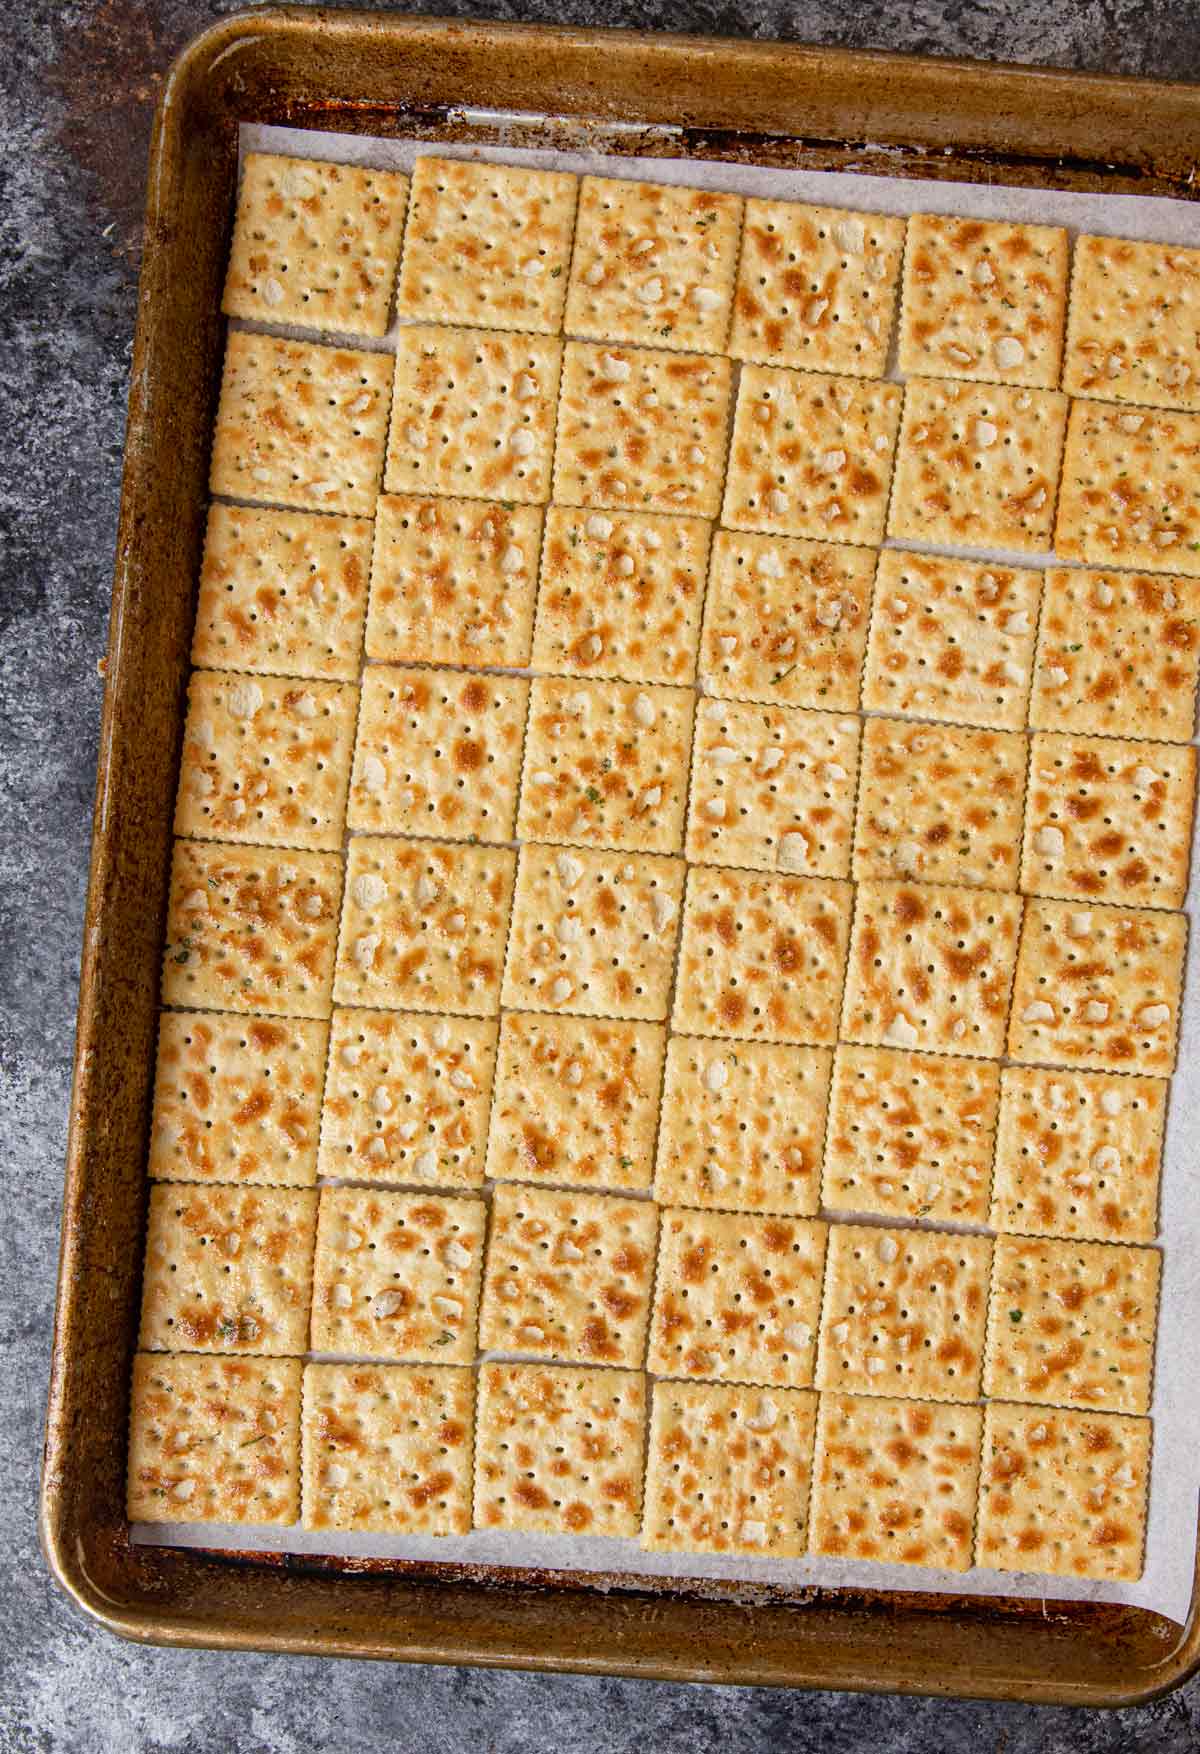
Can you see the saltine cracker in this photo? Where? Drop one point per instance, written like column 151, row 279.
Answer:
column 568, row 1276
column 910, row 1135
column 606, row 764
column 620, row 595
column 237, row 1099
column 811, row 455
column 1078, row 1154
column 560, row 1451
column 737, row 1297
column 1098, row 986
column 437, row 752
column 251, row 929
column 397, row 1275
column 300, row 425
column 228, row 1270
column 453, row 581
column 762, row 956
column 785, row 621
column 653, row 264
column 407, row 1098
column 895, row 1481
column 593, row 932
column 772, row 788
column 486, row 244
column 904, row 1314
column 576, row 1101
column 951, row 639
column 1072, row 1324
column 931, row 967
column 315, row 244
column 742, row 1126
column 816, row 287
column 423, row 925
column 282, row 593
column 214, row 1440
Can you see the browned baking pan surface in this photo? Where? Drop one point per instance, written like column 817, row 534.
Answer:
column 631, row 95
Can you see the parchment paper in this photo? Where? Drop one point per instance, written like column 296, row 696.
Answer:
column 1166, row 1582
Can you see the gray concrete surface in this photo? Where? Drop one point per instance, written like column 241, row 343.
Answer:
column 77, row 83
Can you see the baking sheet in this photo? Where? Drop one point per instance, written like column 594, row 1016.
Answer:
column 1166, row 1582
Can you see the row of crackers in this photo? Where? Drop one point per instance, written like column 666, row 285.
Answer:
column 486, row 414
column 642, row 768
column 501, row 246
column 641, row 597
column 450, row 927
column 398, row 1099
column 600, row 1279
column 551, row 1449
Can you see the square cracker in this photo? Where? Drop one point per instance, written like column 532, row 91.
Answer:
column 423, row 925
column 397, row 1275
column 486, row 244
column 939, row 803
column 593, row 933
column 453, row 581
column 1072, row 1324
column 1130, row 492
column 811, row 455
column 653, row 264
column 300, row 425
column 1131, row 334
column 251, row 929
column 237, row 1099
column 742, row 1129
column 785, row 621
column 904, row 1313
column 387, row 1447
column 606, row 764
column 931, row 967
column 438, row 752
column 728, row 1469
column 762, row 957
column 568, row 1276
column 265, row 760
column 473, row 413
column 977, row 465
column 983, row 299
column 737, row 1297
column 1078, row 1154
column 1063, row 1492
column 1118, row 655
column 228, row 1270
column 816, row 287
column 282, row 593
column 895, row 1481
column 560, row 1451
column 1108, row 821
column 910, row 1135
column 951, row 639
column 772, row 788
column 641, row 429
column 315, row 244
column 1098, row 987
column 407, row 1098
column 576, row 1101
column 214, row 1440
column 620, row 595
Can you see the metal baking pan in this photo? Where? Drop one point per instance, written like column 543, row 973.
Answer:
column 631, row 94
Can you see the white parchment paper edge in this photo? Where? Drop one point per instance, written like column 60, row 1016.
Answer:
column 1166, row 1583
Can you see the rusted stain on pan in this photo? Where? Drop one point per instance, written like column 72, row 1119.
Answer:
column 387, row 73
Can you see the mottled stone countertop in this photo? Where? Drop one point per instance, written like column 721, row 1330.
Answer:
column 78, row 79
